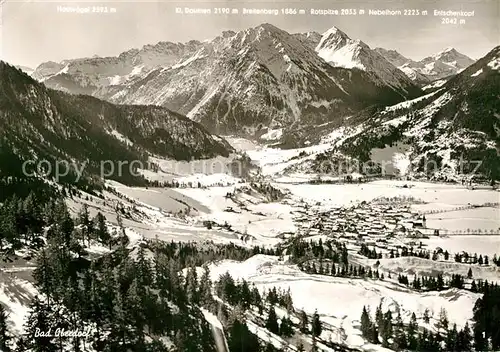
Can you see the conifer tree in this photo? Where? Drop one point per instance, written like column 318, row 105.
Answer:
column 480, row 342
column 379, row 316
column 411, row 331
column 374, row 334
column 134, row 311
column 304, row 323
column 96, row 306
column 443, row 320
column 205, row 289
column 452, row 339
column 365, row 323
column 240, row 339
column 464, row 339
column 272, row 321
column 44, row 274
column 426, row 316
column 386, row 328
column 226, row 288
column 288, row 302
column 119, row 336
column 286, row 328
column 39, row 321
column 245, row 296
column 400, row 341
column 469, row 273
column 316, row 327
column 102, row 232
column 257, row 299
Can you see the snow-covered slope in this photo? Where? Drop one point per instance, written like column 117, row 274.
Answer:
column 458, row 121
column 340, row 301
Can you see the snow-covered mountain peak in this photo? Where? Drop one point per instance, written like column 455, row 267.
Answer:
column 228, row 34
column 452, row 56
column 336, row 48
column 447, row 51
column 333, row 39
column 268, row 27
column 335, row 32
column 445, row 63
column 241, row 81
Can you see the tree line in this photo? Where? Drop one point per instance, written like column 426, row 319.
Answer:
column 391, row 332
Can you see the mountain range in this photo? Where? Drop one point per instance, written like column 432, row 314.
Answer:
column 263, row 79
column 440, row 66
column 242, row 82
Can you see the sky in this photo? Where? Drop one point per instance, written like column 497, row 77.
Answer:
column 32, row 31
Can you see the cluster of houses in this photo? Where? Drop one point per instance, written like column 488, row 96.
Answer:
column 364, row 222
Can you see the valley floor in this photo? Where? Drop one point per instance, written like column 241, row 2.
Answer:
column 247, row 218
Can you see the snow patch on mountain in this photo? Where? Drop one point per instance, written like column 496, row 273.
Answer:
column 186, row 62
column 15, row 295
column 121, row 137
column 477, row 73
column 408, row 103
column 494, row 64
column 272, row 135
column 435, row 84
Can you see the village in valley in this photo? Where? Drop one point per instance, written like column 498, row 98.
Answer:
column 388, row 225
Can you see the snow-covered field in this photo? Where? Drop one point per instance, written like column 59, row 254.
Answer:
column 206, row 171
column 485, row 219
column 433, row 193
column 273, row 161
column 411, row 266
column 154, row 220
column 480, row 244
column 263, row 221
column 340, row 301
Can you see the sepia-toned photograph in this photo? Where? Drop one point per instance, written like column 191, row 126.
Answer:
column 250, row 176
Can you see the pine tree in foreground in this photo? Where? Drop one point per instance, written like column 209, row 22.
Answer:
column 304, row 323
column 286, row 327
column 5, row 337
column 272, row 321
column 365, row 323
column 316, row 327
